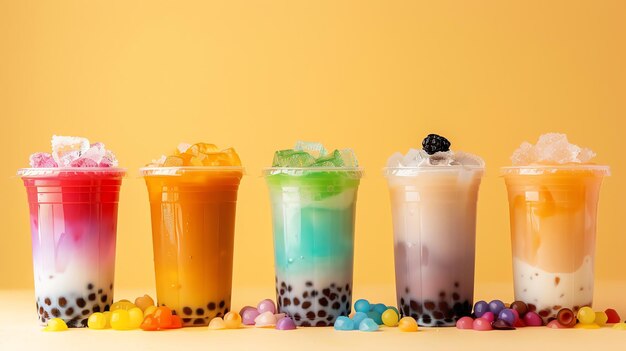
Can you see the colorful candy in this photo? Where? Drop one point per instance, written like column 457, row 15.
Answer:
column 135, row 318
column 368, row 325
column 601, row 318
column 217, row 323
column 248, row 315
column 379, row 308
column 390, row 318
column 265, row 319
column 97, row 321
column 508, row 316
column 554, row 324
column 120, row 320
column 520, row 307
column 375, row 316
column 55, row 325
column 407, row 324
column 566, row 318
column 465, row 323
column 501, row 324
column 481, row 324
column 266, row 305
column 344, row 323
column 620, row 326
column 362, row 305
column 122, row 305
column 144, row 302
column 612, row 316
column 232, row 320
column 489, row 316
column 496, row 306
column 285, row 323
column 150, row 324
column 586, row 315
column 480, row 308
column 149, row 310
column 358, row 317
column 532, row 319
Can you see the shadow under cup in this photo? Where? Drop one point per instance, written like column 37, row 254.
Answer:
column 313, row 212
column 434, row 226
column 73, row 217
column 193, row 228
column 553, row 213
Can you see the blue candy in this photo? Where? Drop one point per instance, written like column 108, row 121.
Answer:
column 481, row 307
column 496, row 306
column 362, row 305
column 358, row 318
column 368, row 325
column 377, row 317
column 379, row 308
column 344, row 323
column 507, row 315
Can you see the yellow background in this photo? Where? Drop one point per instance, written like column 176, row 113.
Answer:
column 375, row 76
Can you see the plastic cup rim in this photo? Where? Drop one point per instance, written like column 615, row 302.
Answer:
column 43, row 171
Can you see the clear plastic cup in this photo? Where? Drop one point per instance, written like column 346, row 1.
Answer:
column 434, row 225
column 553, row 212
column 313, row 213
column 193, row 230
column 73, row 219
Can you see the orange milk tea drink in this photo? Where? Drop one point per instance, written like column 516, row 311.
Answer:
column 73, row 196
column 434, row 192
column 553, row 193
column 193, row 195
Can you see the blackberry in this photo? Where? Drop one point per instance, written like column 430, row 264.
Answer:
column 435, row 143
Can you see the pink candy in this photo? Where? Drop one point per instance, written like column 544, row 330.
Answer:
column 489, row 316
column 266, row 305
column 482, row 324
column 465, row 323
column 555, row 325
column 248, row 315
column 532, row 319
column 42, row 160
column 285, row 323
column 83, row 162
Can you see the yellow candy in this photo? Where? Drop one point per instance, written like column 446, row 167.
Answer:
column 107, row 315
column 149, row 310
column 217, row 323
column 407, row 324
column 390, row 318
column 619, row 326
column 232, row 320
column 122, row 305
column 135, row 317
column 55, row 324
column 144, row 302
column 601, row 318
column 97, row 321
column 120, row 320
column 586, row 315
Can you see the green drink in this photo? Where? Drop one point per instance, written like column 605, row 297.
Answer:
column 313, row 209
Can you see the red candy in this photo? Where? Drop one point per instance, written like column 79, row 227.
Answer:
column 532, row 319
column 519, row 323
column 489, row 316
column 481, row 324
column 465, row 323
column 613, row 316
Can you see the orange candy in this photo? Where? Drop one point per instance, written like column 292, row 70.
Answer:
column 150, row 324
column 177, row 323
column 164, row 316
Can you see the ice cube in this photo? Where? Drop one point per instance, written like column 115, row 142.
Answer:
column 95, row 153
column 217, row 159
column 232, row 156
column 182, row 147
column 173, row 161
column 108, row 160
column 42, row 160
column 83, row 162
column 316, row 150
column 413, row 158
column 331, row 160
column 63, row 145
column 551, row 148
column 292, row 158
column 348, row 158
column 467, row 159
column 524, row 155
column 395, row 160
column 586, row 155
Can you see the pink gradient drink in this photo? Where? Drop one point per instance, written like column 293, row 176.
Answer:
column 73, row 216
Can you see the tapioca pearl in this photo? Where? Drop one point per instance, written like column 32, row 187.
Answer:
column 336, row 305
column 55, row 312
column 321, row 313
column 85, row 312
column 187, row 320
column 99, row 291
column 286, row 301
column 289, row 288
column 199, row 311
column 456, row 296
column 443, row 306
column 326, row 292
column 199, row 321
column 47, row 301
column 323, row 301
column 314, row 293
column 429, row 305
column 62, row 301
column 69, row 311
column 438, row 315
column 283, row 284
column 310, row 315
column 306, row 304
column 321, row 324
column 456, row 284
column 333, row 296
column 89, row 286
column 103, row 298
column 107, row 307
column 426, row 319
column 222, row 303
column 305, row 294
column 210, row 306
column 296, row 301
column 344, row 298
column 84, row 322
column 111, row 286
column 96, row 308
column 282, row 291
column 40, row 310
column 91, row 297
column 187, row 310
